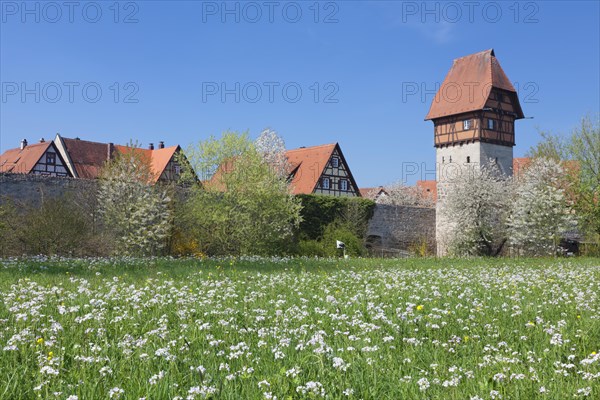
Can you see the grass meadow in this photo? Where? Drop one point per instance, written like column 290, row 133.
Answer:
column 300, row 329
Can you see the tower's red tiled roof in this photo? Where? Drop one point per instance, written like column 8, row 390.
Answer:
column 468, row 84
column 22, row 161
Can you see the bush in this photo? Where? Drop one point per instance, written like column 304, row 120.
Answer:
column 320, row 211
column 59, row 226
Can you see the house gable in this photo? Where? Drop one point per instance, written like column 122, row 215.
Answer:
column 336, row 178
column 39, row 158
column 322, row 170
column 51, row 163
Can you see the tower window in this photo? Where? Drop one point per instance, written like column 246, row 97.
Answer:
column 335, row 162
column 467, row 124
column 491, row 124
column 450, row 159
column 443, row 160
column 468, row 159
column 325, row 183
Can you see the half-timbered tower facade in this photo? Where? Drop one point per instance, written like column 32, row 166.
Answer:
column 474, row 115
column 321, row 170
column 41, row 158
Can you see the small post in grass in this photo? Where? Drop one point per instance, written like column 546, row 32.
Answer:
column 341, row 245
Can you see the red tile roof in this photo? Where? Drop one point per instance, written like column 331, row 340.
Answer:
column 468, row 84
column 428, row 189
column 159, row 158
column 372, row 193
column 307, row 165
column 87, row 157
column 520, row 164
column 22, row 161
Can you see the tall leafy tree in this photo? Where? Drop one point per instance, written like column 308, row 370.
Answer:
column 137, row 212
column 541, row 214
column 244, row 206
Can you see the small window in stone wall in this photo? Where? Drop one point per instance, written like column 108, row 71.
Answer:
column 468, row 159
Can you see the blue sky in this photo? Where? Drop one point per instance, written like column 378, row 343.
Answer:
column 317, row 73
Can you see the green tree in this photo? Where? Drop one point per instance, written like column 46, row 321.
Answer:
column 243, row 206
column 582, row 148
column 136, row 211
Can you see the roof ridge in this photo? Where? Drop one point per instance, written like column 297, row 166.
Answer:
column 491, row 51
column 312, row 147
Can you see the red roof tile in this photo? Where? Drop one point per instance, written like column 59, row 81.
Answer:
column 468, row 84
column 22, row 161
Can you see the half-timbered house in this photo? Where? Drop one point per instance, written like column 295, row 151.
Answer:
column 321, row 170
column 41, row 158
column 85, row 159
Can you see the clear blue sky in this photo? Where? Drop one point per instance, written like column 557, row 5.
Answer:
column 173, row 56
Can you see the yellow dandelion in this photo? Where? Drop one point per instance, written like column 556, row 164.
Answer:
column 420, row 307
column 40, row 341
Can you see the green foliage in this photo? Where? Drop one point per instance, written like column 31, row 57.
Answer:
column 60, row 226
column 320, row 211
column 344, row 233
column 243, row 206
column 583, row 148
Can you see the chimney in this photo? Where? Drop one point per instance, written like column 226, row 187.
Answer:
column 161, row 145
column 42, row 140
column 151, row 146
column 23, row 143
column 110, row 150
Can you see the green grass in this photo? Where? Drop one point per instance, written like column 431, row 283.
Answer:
column 242, row 329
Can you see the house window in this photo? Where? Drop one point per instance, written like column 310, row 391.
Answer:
column 467, row 123
column 325, row 183
column 335, row 162
column 177, row 169
column 343, row 184
column 50, row 158
column 468, row 159
column 491, row 124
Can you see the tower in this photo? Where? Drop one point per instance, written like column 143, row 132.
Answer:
column 473, row 114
